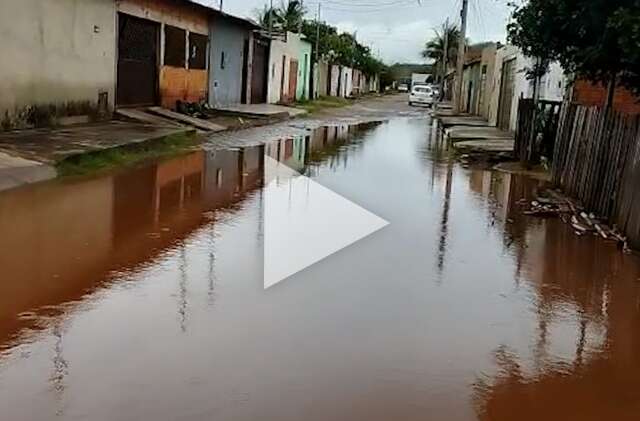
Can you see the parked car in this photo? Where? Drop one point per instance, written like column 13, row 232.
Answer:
column 421, row 95
column 403, row 87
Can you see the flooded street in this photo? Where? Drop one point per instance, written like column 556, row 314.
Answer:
column 139, row 295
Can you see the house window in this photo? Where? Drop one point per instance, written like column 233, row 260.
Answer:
column 174, row 46
column 223, row 60
column 197, row 51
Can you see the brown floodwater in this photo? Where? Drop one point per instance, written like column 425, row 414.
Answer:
column 140, row 296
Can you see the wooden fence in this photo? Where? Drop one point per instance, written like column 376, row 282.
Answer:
column 536, row 130
column 597, row 161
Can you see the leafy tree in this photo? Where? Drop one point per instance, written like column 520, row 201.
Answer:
column 445, row 38
column 593, row 39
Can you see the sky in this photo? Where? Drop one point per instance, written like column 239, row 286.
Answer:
column 395, row 30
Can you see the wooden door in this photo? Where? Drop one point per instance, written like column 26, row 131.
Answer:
column 260, row 72
column 293, row 80
column 506, row 94
column 137, row 80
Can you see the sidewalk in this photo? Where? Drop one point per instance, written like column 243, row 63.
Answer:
column 469, row 133
column 28, row 156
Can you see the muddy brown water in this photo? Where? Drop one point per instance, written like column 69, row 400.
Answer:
column 139, row 296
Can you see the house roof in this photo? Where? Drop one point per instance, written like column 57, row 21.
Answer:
column 220, row 14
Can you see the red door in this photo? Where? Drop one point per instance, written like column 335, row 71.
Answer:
column 293, row 80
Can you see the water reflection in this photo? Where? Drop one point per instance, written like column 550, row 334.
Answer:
column 139, row 295
column 63, row 240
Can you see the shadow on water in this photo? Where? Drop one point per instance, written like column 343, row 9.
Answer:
column 134, row 295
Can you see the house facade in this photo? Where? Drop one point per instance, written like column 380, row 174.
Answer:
column 230, row 60
column 289, row 69
column 162, row 52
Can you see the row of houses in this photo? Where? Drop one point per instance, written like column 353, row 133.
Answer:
column 495, row 77
column 70, row 58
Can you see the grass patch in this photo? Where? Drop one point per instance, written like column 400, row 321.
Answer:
column 98, row 161
column 323, row 103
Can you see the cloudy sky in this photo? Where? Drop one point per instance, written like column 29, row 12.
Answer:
column 396, row 29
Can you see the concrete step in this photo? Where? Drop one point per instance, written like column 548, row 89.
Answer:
column 198, row 123
column 141, row 116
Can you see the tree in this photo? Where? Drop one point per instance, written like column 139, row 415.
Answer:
column 288, row 17
column 445, row 38
column 291, row 15
column 590, row 38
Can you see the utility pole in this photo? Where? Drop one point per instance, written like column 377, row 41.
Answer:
column 457, row 99
column 318, row 32
column 445, row 55
column 221, row 4
column 270, row 17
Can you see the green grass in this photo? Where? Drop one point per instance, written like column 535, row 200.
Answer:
column 323, row 103
column 99, row 161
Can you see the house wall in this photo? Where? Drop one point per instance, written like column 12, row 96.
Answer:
column 346, row 85
column 175, row 83
column 322, row 85
column 293, row 48
column 335, row 80
column 225, row 82
column 504, row 54
column 58, row 58
column 587, row 93
column 304, row 69
column 553, row 85
column 487, row 69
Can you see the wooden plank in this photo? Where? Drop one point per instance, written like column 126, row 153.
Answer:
column 192, row 121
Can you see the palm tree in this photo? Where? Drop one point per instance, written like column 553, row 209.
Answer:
column 435, row 48
column 291, row 15
column 288, row 17
column 268, row 16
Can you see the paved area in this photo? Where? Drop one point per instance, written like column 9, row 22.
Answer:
column 198, row 123
column 262, row 110
column 50, row 146
column 459, row 133
column 463, row 121
column 490, row 146
column 15, row 171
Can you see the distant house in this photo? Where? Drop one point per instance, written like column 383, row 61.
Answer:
column 476, row 81
column 231, row 60
column 510, row 83
column 289, row 69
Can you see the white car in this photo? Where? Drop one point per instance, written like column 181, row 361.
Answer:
column 421, row 95
column 403, row 87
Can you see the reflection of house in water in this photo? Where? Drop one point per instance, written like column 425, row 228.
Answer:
column 61, row 240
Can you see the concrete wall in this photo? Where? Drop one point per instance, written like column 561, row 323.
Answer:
column 335, row 80
column 504, row 54
column 488, row 59
column 281, row 54
column 346, row 84
column 304, row 69
column 225, row 82
column 553, row 85
column 56, row 53
column 322, row 85
column 175, row 83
